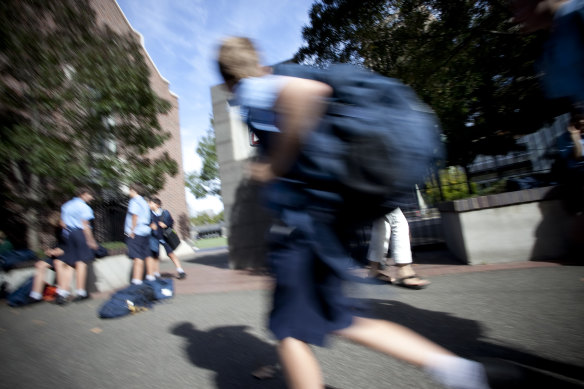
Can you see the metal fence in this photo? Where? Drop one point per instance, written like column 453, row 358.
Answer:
column 109, row 220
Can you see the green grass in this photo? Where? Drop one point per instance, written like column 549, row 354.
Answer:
column 114, row 245
column 211, row 242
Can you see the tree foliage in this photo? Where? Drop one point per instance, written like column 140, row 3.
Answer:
column 76, row 107
column 453, row 186
column 206, row 182
column 205, row 218
column 463, row 57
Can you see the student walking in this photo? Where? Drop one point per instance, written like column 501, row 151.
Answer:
column 305, row 242
column 161, row 219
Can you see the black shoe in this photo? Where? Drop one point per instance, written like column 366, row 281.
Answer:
column 182, row 275
column 79, row 298
column 30, row 300
column 61, row 300
column 503, row 374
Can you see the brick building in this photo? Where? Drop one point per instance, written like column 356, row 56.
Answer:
column 173, row 194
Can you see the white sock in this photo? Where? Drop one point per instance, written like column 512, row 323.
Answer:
column 457, row 373
column 81, row 292
column 156, row 274
column 180, row 270
column 63, row 292
column 150, row 277
column 136, row 281
column 35, row 295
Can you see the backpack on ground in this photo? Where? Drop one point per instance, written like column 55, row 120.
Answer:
column 19, row 297
column 374, row 143
column 134, row 298
column 163, row 288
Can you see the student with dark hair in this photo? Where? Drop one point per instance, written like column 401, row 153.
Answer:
column 76, row 216
column 161, row 219
column 137, row 231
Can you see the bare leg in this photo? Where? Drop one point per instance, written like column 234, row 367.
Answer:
column 393, row 339
column 65, row 277
column 175, row 260
column 149, row 266
column 138, row 271
column 81, row 269
column 300, row 366
column 38, row 283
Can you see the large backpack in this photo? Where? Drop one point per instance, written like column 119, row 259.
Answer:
column 374, row 143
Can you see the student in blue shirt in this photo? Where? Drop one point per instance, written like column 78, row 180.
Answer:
column 76, row 216
column 308, row 302
column 137, row 231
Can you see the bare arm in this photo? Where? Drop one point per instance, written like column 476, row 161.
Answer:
column 134, row 224
column 300, row 106
column 89, row 235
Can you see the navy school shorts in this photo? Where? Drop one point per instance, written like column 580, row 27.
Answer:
column 138, row 247
column 76, row 248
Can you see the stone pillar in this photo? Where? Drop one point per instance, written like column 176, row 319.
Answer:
column 245, row 219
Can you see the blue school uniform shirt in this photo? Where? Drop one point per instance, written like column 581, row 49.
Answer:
column 138, row 206
column 74, row 212
column 258, row 92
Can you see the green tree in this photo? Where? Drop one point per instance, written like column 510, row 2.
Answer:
column 463, row 57
column 76, row 108
column 453, row 182
column 206, row 218
column 206, row 182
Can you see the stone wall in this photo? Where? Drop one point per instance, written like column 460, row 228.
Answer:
column 517, row 226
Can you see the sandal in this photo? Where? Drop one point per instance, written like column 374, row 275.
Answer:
column 417, row 286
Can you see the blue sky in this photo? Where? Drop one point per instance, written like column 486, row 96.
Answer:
column 181, row 37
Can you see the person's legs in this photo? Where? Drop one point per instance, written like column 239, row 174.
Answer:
column 176, row 261
column 81, row 281
column 38, row 283
column 377, row 246
column 150, row 268
column 405, row 344
column 65, row 275
column 301, row 368
column 401, row 250
column 138, row 271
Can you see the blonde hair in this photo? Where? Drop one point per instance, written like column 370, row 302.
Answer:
column 238, row 59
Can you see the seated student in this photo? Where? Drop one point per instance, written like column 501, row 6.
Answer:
column 53, row 255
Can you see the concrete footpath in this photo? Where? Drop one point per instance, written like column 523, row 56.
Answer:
column 213, row 335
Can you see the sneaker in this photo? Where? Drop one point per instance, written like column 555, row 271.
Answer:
column 79, row 298
column 182, row 275
column 61, row 300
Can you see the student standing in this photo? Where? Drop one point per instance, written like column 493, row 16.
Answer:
column 137, row 231
column 76, row 216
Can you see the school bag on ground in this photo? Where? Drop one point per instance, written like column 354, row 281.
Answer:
column 19, row 297
column 163, row 288
column 374, row 143
column 134, row 298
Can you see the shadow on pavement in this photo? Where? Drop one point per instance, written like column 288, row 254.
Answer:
column 466, row 338
column 232, row 353
column 218, row 258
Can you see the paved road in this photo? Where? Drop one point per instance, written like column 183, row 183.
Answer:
column 208, row 338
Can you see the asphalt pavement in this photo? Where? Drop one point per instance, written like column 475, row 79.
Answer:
column 212, row 333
